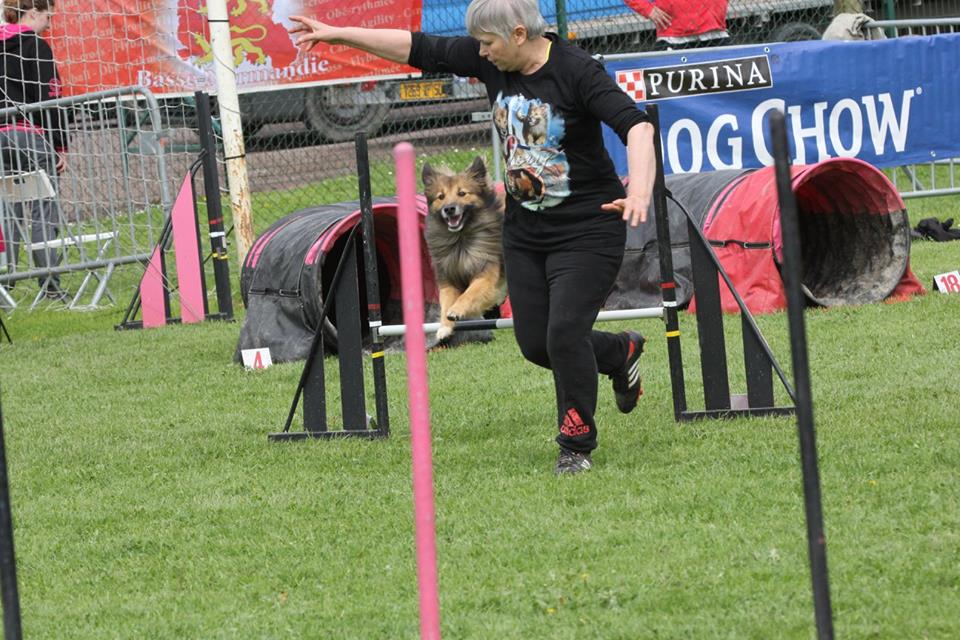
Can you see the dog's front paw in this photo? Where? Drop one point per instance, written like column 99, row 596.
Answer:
column 444, row 332
column 457, row 312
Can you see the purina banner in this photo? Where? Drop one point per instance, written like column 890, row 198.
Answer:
column 888, row 102
column 164, row 45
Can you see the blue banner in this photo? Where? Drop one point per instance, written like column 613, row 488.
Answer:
column 887, row 102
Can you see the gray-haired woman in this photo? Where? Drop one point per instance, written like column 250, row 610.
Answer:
column 562, row 238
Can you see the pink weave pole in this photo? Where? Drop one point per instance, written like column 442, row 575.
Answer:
column 415, row 342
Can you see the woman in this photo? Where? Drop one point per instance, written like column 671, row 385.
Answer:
column 35, row 140
column 684, row 24
column 563, row 242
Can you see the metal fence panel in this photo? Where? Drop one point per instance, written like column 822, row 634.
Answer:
column 938, row 177
column 104, row 210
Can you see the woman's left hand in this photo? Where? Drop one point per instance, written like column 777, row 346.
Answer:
column 310, row 32
column 632, row 208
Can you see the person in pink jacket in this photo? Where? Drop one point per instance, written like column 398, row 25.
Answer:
column 685, row 24
column 31, row 140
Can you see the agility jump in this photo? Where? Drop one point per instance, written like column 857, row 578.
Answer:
column 759, row 361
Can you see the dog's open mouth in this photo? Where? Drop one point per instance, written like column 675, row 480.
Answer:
column 455, row 222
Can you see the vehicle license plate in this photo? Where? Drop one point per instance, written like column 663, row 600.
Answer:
column 423, row 90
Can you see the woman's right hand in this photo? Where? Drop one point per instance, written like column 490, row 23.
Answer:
column 660, row 18
column 309, row 32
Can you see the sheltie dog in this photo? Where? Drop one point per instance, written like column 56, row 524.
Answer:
column 463, row 234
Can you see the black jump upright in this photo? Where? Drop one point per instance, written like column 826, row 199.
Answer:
column 346, row 300
column 792, row 268
column 759, row 360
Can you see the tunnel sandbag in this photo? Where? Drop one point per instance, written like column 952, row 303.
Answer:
column 290, row 268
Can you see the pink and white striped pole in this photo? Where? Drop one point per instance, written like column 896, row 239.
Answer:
column 415, row 342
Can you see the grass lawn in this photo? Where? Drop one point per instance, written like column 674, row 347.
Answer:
column 148, row 502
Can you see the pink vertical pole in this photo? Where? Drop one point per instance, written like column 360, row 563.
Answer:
column 415, row 342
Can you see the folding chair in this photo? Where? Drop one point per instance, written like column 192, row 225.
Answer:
column 103, row 241
column 36, row 185
column 21, row 188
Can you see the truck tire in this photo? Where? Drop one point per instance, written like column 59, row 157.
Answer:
column 338, row 112
column 795, row 31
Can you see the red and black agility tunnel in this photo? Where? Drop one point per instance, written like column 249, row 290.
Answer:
column 854, row 230
column 289, row 269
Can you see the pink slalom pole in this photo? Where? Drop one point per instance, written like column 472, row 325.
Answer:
column 415, row 342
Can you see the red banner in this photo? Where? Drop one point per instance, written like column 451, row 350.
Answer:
column 164, row 45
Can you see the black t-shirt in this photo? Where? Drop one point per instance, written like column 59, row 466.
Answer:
column 30, row 75
column 557, row 172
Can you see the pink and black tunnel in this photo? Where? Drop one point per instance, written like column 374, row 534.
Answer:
column 289, row 269
column 855, row 237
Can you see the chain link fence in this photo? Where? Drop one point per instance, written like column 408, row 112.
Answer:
column 302, row 138
column 299, row 141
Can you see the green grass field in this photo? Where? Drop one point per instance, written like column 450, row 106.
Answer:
column 148, row 502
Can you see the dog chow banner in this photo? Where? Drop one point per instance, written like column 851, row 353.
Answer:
column 164, row 45
column 887, row 102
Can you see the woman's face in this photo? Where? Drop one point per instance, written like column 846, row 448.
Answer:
column 37, row 20
column 501, row 53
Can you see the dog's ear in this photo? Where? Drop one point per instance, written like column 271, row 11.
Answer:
column 428, row 175
column 478, row 170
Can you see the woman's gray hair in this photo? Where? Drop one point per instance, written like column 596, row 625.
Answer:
column 502, row 16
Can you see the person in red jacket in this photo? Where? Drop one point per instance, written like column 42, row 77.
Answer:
column 685, row 24
column 31, row 140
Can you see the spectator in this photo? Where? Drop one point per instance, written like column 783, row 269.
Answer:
column 685, row 24
column 563, row 241
column 850, row 23
column 35, row 140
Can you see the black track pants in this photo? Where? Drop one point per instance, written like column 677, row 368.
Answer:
column 555, row 298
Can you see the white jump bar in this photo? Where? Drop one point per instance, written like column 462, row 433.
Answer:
column 507, row 323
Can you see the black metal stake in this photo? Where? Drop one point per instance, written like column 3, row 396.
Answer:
column 8, row 563
column 374, row 310
column 816, row 539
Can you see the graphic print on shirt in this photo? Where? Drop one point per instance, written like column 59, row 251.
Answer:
column 537, row 173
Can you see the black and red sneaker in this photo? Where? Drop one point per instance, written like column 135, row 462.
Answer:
column 627, row 386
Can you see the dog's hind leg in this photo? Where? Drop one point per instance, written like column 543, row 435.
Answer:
column 484, row 292
column 448, row 297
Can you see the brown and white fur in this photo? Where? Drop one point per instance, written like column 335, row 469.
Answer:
column 463, row 234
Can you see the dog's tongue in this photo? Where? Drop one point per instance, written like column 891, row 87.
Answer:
column 455, row 222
